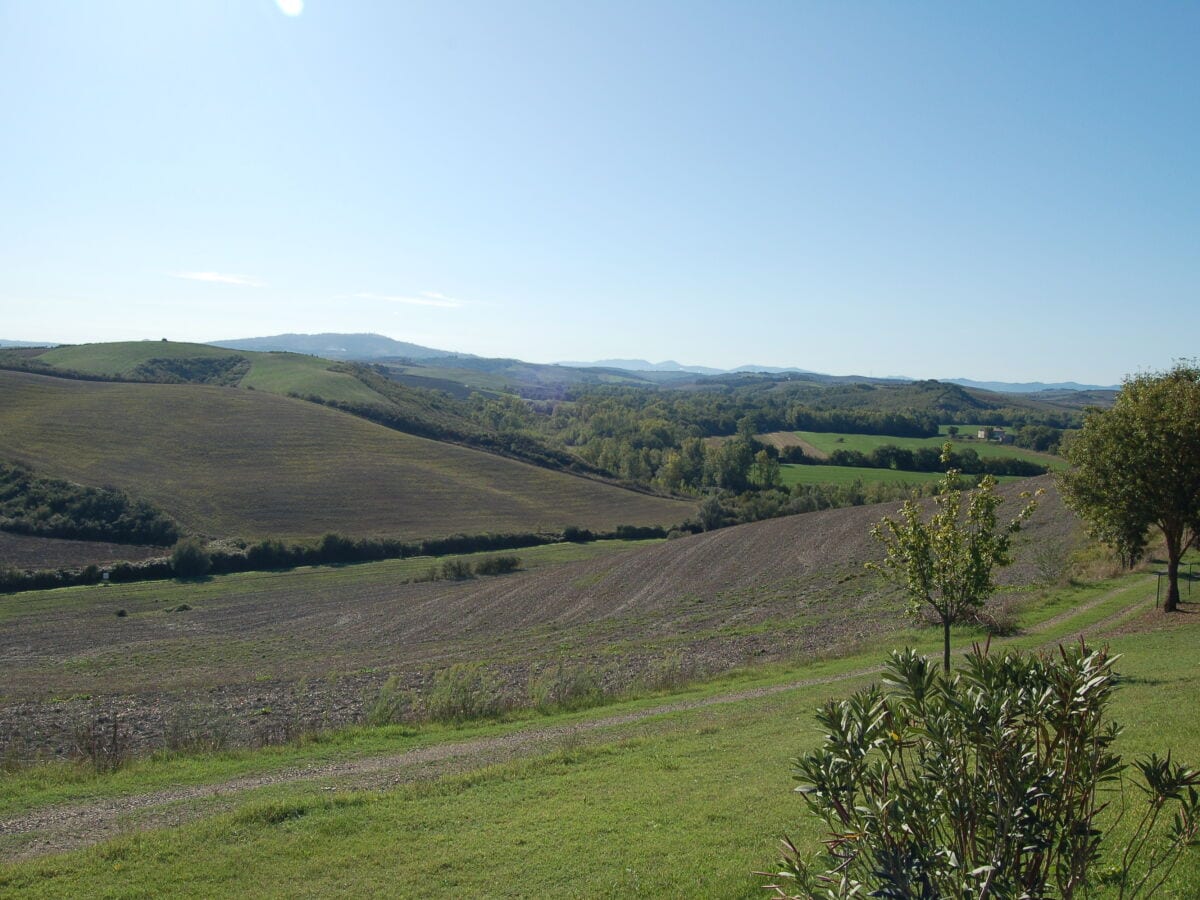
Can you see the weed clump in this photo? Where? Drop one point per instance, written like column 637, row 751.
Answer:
column 98, row 741
column 464, row 692
column 394, row 705
column 563, row 686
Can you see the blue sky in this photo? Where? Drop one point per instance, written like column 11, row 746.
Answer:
column 1001, row 191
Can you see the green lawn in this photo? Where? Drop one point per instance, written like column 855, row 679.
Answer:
column 828, row 442
column 690, row 803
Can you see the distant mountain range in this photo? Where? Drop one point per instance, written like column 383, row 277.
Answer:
column 1002, row 387
column 642, row 365
column 337, row 346
column 27, row 344
column 365, row 347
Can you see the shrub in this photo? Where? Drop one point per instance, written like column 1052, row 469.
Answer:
column 463, row 692
column 189, row 559
column 577, row 535
column 984, row 784
column 497, row 565
column 456, row 570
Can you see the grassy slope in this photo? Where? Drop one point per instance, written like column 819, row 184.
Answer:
column 232, row 462
column 278, row 373
column 122, row 357
column 283, row 373
column 689, row 804
column 865, row 443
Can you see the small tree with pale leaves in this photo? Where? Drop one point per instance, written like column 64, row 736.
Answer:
column 946, row 563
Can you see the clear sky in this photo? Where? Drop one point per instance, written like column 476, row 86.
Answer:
column 998, row 191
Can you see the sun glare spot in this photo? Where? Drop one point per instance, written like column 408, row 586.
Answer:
column 291, row 7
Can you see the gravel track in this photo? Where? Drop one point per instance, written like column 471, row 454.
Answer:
column 63, row 828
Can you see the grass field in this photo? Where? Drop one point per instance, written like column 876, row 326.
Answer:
column 797, row 474
column 828, row 442
column 688, row 802
column 230, row 462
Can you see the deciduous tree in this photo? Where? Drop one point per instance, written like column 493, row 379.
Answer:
column 1136, row 467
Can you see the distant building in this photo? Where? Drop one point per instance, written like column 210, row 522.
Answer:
column 995, row 434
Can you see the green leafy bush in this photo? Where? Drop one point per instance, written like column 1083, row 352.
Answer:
column 189, row 559
column 456, row 570
column 497, row 565
column 985, row 784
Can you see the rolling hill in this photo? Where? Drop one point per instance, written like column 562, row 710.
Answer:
column 228, row 462
column 769, row 589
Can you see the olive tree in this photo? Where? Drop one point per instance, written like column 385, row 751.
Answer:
column 1136, row 467
column 946, row 563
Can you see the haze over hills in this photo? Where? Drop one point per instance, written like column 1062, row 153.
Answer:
column 371, row 347
column 366, row 347
column 337, row 346
column 4, row 343
column 1030, row 387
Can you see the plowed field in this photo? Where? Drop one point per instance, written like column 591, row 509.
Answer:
column 314, row 642
column 237, row 463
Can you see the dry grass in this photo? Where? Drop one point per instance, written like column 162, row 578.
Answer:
column 231, row 462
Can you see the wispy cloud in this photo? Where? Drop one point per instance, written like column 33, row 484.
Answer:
column 221, row 278
column 423, row 298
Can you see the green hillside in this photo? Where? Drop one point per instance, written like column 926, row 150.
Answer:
column 250, row 464
column 279, row 373
column 122, row 357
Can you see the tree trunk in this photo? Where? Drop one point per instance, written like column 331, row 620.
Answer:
column 1174, row 552
column 946, row 646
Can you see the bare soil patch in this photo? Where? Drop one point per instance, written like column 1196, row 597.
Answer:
column 29, row 552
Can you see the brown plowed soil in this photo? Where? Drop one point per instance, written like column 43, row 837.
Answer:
column 278, row 651
column 22, row 551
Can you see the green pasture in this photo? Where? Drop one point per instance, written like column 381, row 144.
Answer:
column 828, row 442
column 687, row 803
